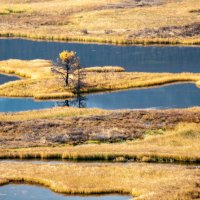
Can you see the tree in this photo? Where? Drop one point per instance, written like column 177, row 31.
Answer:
column 69, row 68
column 67, row 64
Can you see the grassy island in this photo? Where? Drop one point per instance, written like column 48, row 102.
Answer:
column 40, row 83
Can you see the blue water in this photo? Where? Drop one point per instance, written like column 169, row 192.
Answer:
column 133, row 58
column 29, row 192
column 23, row 104
column 5, row 78
column 169, row 96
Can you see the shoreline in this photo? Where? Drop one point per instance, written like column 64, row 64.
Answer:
column 188, row 42
column 71, row 179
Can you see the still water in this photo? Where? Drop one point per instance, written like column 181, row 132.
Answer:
column 169, row 96
column 5, row 78
column 24, row 192
column 133, row 58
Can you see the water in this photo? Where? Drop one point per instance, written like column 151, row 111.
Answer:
column 23, row 104
column 5, row 78
column 169, row 96
column 61, row 161
column 24, row 192
column 133, row 58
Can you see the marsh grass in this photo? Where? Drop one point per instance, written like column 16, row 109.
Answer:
column 60, row 20
column 57, row 112
column 41, row 83
column 146, row 181
column 104, row 69
column 178, row 145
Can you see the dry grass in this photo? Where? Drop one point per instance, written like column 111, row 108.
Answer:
column 57, row 112
column 113, row 21
column 179, row 145
column 148, row 181
column 104, row 69
column 41, row 83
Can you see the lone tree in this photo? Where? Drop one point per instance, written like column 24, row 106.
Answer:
column 68, row 67
column 67, row 64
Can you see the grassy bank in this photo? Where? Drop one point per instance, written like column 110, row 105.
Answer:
column 113, row 21
column 53, row 113
column 145, row 181
column 147, row 136
column 38, row 75
column 179, row 145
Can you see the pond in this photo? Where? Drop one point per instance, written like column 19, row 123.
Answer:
column 133, row 58
column 6, row 78
column 169, row 96
column 30, row 192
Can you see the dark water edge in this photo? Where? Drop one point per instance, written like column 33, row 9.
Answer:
column 133, row 58
column 96, row 162
column 7, row 78
column 169, row 96
column 31, row 192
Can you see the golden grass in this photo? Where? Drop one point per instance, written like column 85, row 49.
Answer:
column 57, row 112
column 178, row 145
column 104, row 69
column 41, row 83
column 147, row 181
column 33, row 69
column 104, row 22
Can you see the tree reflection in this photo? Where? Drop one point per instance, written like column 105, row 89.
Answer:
column 79, row 102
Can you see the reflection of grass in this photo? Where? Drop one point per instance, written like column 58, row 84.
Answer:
column 103, row 20
column 178, row 145
column 41, row 83
column 149, row 181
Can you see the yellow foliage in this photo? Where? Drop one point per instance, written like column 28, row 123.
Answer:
column 67, row 55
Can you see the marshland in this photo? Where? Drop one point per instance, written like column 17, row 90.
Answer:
column 111, row 21
column 99, row 121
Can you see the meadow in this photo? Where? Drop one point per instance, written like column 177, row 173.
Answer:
column 107, row 21
column 37, row 74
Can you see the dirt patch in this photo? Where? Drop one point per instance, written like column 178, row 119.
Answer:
column 114, row 127
column 190, row 30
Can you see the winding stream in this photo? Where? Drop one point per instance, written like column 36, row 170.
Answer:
column 169, row 96
column 133, row 58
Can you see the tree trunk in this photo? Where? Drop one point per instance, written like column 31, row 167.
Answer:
column 67, row 76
